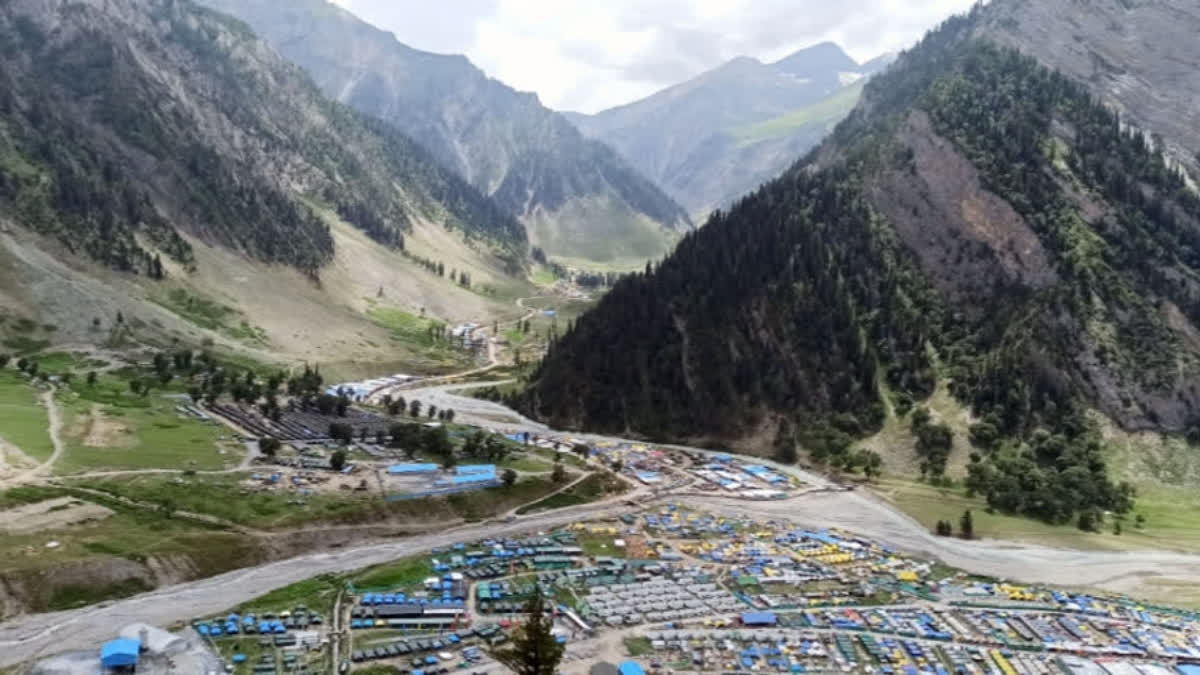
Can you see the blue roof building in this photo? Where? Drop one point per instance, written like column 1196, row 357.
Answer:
column 119, row 653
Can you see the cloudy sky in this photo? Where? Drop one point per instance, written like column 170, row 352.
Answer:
column 588, row 55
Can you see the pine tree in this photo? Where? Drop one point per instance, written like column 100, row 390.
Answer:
column 966, row 525
column 533, row 649
column 785, row 444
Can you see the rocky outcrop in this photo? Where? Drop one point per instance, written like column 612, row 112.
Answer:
column 1137, row 56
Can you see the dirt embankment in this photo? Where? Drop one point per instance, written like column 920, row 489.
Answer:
column 103, row 578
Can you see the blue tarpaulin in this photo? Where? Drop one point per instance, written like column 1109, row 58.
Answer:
column 758, row 618
column 630, row 668
column 472, row 469
column 119, row 653
column 413, row 468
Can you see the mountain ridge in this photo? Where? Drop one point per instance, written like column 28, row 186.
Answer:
column 690, row 137
column 167, row 143
column 530, row 159
column 978, row 220
column 233, row 129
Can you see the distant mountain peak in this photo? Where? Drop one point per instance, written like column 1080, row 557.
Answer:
column 714, row 137
column 816, row 60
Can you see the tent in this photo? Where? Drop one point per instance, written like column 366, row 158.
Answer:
column 119, row 653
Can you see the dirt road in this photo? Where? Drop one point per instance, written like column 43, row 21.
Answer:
column 24, row 637
column 377, row 395
column 54, row 428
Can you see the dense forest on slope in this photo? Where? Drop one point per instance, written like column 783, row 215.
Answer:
column 530, row 159
column 978, row 218
column 121, row 120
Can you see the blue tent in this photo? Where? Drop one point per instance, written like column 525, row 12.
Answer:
column 630, row 668
column 469, row 469
column 119, row 653
column 758, row 618
column 412, row 468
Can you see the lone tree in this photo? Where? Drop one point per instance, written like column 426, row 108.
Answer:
column 269, row 446
column 559, row 474
column 533, row 649
column 414, row 409
column 966, row 525
column 340, row 431
column 508, row 477
column 785, row 445
column 337, row 461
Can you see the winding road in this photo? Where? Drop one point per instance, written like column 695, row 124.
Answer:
column 27, row 636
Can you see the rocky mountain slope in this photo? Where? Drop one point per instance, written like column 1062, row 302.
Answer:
column 980, row 220
column 137, row 116
column 577, row 197
column 724, row 132
column 1136, row 55
column 148, row 145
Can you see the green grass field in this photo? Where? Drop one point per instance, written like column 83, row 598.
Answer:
column 825, row 112
column 523, row 463
column 401, row 574
column 590, row 489
column 638, row 646
column 599, row 544
column 1172, row 518
column 225, row 496
column 130, row 533
column 542, row 276
column 317, row 593
column 23, row 422
column 413, row 332
column 137, row 432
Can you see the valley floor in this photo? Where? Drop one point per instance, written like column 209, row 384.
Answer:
column 1151, row 563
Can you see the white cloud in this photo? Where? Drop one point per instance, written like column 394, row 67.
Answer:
column 587, row 55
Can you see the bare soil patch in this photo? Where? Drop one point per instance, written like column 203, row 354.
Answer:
column 50, row 514
column 102, row 431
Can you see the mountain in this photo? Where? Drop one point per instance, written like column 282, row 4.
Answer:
column 167, row 143
column 577, row 197
column 719, row 135
column 979, row 221
column 1128, row 51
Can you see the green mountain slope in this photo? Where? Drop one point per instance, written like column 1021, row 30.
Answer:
column 719, row 135
column 125, row 125
column 530, row 159
column 977, row 218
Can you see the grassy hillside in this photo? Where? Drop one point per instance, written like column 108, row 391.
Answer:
column 824, row 113
column 271, row 314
